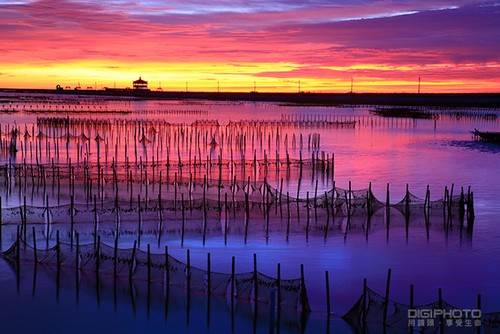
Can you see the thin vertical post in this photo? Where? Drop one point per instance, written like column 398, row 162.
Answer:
column 72, row 213
column 479, row 308
column 386, row 299
column 363, row 311
column 131, row 272
column 95, row 222
column 278, row 284
column 149, row 264
column 188, row 268
column 233, row 268
column 115, row 257
column 256, row 283
column 98, row 255
column 209, row 283
column 303, row 297
column 412, row 301
column 225, row 219
column 308, row 216
column 58, row 251
column 328, row 309
column 34, row 245
column 77, row 260
column 167, row 267
column 139, row 222
column 183, row 220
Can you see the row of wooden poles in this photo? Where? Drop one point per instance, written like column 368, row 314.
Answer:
column 192, row 143
column 108, row 174
column 187, row 205
column 21, row 172
column 92, row 109
column 275, row 299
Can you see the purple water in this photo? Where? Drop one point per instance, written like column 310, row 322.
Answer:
column 396, row 151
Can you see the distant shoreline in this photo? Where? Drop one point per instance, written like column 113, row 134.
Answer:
column 479, row 100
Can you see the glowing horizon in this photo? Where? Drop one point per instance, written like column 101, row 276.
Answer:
column 384, row 46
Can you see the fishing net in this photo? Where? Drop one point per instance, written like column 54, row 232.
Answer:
column 244, row 284
column 265, row 286
column 198, row 279
column 150, row 267
column 291, row 291
column 398, row 316
column 176, row 272
column 219, row 283
column 490, row 322
column 88, row 257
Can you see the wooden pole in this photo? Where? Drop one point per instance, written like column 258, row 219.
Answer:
column 139, row 220
column 115, row 257
column 308, row 216
column 255, row 280
column 183, row 220
column 288, row 215
column 209, row 283
column 386, row 303
column 149, row 264
column 303, row 295
column 72, row 213
column 225, row 219
column 233, row 268
column 479, row 308
column 167, row 267
column 77, row 260
column 131, row 272
column 411, row 296
column 58, row 251
column 327, row 216
column 247, row 214
column 25, row 219
column 34, row 245
column 95, row 222
column 328, row 309
column 188, row 268
column 278, row 284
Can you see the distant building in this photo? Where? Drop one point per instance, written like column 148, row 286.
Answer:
column 140, row 84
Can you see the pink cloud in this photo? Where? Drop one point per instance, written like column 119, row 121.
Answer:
column 314, row 35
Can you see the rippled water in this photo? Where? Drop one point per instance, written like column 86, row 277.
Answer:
column 397, row 151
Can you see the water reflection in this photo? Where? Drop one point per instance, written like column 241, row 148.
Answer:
column 137, row 303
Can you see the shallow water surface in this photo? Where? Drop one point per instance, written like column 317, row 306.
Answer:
column 462, row 261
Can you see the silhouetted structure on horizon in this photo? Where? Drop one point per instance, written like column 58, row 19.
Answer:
column 140, row 84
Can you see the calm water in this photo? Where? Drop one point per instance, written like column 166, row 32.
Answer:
column 420, row 152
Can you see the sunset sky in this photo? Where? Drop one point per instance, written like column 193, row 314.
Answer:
column 384, row 45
